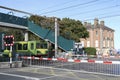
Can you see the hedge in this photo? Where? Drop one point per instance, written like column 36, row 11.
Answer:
column 90, row 50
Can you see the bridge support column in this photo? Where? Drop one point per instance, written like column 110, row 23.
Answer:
column 26, row 36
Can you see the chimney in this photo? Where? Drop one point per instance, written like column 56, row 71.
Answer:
column 95, row 22
column 102, row 23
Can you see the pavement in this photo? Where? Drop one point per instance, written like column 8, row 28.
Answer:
column 50, row 73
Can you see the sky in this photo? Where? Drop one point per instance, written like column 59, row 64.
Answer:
column 83, row 10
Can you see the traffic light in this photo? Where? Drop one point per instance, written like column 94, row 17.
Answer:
column 9, row 40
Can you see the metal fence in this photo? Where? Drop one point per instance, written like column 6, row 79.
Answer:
column 7, row 59
column 73, row 69
column 99, row 67
column 4, row 59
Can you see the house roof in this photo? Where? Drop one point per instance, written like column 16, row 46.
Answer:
column 98, row 26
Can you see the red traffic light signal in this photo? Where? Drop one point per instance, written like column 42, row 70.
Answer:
column 9, row 40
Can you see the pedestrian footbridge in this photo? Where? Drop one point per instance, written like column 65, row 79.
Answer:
column 7, row 20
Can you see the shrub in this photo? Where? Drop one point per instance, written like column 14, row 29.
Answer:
column 90, row 51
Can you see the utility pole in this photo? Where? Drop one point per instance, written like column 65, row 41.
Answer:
column 56, row 46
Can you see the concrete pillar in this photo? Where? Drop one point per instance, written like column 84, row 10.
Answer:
column 26, row 36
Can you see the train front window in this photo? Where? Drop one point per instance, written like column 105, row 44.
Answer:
column 19, row 46
column 25, row 46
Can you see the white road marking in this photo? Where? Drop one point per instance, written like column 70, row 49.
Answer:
column 26, row 77
column 47, row 77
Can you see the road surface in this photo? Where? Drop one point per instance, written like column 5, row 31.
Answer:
column 49, row 73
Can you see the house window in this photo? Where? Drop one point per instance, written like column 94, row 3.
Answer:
column 112, row 43
column 88, row 43
column 104, row 43
column 108, row 33
column 96, row 43
column 96, row 33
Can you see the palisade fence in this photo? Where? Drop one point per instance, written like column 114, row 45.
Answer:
column 7, row 59
column 3, row 59
column 99, row 67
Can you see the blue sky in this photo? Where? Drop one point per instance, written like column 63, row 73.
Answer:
column 107, row 10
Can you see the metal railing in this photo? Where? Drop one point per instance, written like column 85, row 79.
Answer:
column 99, row 67
column 4, row 59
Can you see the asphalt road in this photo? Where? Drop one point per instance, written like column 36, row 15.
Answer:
column 6, row 77
column 49, row 73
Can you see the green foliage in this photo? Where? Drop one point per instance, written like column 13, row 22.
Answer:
column 90, row 50
column 33, row 37
column 18, row 34
column 68, row 28
column 43, row 21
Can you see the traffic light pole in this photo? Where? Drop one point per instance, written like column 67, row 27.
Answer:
column 10, row 56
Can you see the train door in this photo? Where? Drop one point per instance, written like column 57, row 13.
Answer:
column 31, row 47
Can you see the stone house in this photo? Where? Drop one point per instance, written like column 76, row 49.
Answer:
column 100, row 36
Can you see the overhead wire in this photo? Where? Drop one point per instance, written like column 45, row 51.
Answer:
column 3, row 7
column 67, row 8
column 109, row 16
column 95, row 10
column 103, row 13
column 60, row 9
column 54, row 6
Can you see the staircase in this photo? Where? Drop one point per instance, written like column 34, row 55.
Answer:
column 43, row 33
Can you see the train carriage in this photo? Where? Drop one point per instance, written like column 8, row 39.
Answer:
column 36, row 48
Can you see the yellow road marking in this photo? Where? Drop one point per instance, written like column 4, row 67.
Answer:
column 52, row 71
column 76, row 77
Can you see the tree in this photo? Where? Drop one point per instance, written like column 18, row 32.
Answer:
column 18, row 34
column 72, row 29
column 68, row 28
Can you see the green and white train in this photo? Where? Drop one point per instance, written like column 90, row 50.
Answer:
column 28, row 48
